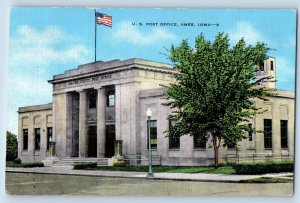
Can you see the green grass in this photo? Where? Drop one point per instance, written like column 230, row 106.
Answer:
column 171, row 169
column 267, row 180
column 202, row 169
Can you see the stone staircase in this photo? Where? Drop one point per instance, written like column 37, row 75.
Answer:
column 69, row 161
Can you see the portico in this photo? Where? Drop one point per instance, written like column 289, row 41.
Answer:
column 99, row 103
column 86, row 111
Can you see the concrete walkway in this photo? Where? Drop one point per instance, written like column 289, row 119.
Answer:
column 67, row 170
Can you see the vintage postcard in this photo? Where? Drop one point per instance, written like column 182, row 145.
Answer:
column 151, row 102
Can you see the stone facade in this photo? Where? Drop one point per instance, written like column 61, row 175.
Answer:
column 99, row 103
column 279, row 108
column 31, row 120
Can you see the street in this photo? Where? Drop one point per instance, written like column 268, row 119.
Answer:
column 48, row 184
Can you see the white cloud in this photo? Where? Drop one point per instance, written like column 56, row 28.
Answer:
column 49, row 35
column 33, row 53
column 132, row 34
column 247, row 31
column 32, row 47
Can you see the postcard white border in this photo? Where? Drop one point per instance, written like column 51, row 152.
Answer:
column 4, row 36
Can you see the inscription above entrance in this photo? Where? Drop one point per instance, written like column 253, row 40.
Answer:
column 89, row 80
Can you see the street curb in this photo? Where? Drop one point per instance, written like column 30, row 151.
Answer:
column 125, row 174
column 73, row 172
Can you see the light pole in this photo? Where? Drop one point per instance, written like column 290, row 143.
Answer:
column 149, row 114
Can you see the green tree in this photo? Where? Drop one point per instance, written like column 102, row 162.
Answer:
column 11, row 146
column 214, row 88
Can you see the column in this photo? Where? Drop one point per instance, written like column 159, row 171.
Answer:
column 82, row 123
column 69, row 126
column 276, row 130
column 291, row 127
column 31, row 137
column 101, row 105
column 118, row 113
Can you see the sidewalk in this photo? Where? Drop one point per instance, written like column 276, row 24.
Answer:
column 67, row 170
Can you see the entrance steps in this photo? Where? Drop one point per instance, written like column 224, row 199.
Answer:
column 70, row 161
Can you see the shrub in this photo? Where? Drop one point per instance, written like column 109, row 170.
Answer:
column 11, row 146
column 13, row 164
column 231, row 164
column 85, row 165
column 261, row 168
column 33, row 164
column 17, row 161
column 221, row 164
column 24, row 165
column 119, row 163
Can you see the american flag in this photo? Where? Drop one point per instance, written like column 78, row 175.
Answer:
column 103, row 19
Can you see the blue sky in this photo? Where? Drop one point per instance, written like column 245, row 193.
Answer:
column 48, row 41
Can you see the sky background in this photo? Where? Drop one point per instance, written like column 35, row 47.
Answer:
column 48, row 41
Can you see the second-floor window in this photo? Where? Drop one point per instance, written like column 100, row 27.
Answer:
column 152, row 124
column 284, row 134
column 25, row 139
column 198, row 143
column 111, row 98
column 37, row 138
column 92, row 99
column 268, row 133
column 49, row 134
column 174, row 141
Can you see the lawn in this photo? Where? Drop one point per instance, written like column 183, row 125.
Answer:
column 267, row 180
column 171, row 169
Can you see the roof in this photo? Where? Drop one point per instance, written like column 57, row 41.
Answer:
column 100, row 67
column 41, row 107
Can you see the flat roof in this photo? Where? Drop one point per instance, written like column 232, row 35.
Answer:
column 100, row 67
column 41, row 107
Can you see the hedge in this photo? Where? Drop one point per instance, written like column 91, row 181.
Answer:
column 85, row 165
column 33, row 164
column 264, row 167
column 17, row 161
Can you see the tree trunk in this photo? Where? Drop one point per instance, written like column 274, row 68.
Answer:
column 216, row 143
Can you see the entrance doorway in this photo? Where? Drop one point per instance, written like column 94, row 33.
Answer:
column 110, row 141
column 92, row 141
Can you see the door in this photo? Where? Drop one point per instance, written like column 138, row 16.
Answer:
column 92, row 141
column 110, row 141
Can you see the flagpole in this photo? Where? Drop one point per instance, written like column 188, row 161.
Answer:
column 95, row 36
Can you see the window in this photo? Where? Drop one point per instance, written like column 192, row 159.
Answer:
column 268, row 133
column 284, row 133
column 262, row 66
column 92, row 98
column 174, row 142
column 272, row 65
column 49, row 134
column 25, row 139
column 250, row 132
column 37, row 138
column 153, row 133
column 231, row 146
column 111, row 98
column 198, row 143
column 109, row 129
